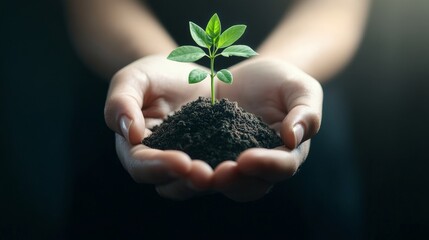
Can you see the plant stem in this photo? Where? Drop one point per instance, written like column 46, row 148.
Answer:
column 212, row 75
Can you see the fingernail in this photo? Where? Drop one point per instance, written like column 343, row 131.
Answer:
column 298, row 131
column 125, row 123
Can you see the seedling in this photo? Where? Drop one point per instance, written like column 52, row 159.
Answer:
column 214, row 40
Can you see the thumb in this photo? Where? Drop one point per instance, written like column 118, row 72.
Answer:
column 122, row 111
column 304, row 115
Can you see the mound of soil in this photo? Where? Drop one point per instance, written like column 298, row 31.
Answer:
column 212, row 133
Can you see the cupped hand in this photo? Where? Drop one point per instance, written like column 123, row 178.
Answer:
column 287, row 99
column 141, row 95
column 146, row 91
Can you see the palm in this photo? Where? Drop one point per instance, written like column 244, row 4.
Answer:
column 144, row 93
column 261, row 87
column 166, row 88
column 284, row 97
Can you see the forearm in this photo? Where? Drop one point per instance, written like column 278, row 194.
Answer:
column 319, row 36
column 109, row 34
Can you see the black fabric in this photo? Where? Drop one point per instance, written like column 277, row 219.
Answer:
column 259, row 16
column 61, row 179
column 321, row 202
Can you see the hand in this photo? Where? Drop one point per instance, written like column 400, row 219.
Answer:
column 140, row 96
column 290, row 101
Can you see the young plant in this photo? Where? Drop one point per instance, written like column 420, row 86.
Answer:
column 214, row 40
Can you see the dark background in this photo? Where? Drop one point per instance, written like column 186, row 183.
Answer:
column 48, row 98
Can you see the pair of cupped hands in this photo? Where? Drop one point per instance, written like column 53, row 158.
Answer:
column 146, row 91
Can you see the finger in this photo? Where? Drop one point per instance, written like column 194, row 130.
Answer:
column 304, row 106
column 236, row 186
column 147, row 165
column 152, row 122
column 197, row 182
column 200, row 176
column 272, row 165
column 177, row 190
column 123, row 106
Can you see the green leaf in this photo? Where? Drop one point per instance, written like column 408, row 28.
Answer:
column 231, row 35
column 186, row 54
column 199, row 35
column 197, row 75
column 225, row 76
column 239, row 51
column 213, row 27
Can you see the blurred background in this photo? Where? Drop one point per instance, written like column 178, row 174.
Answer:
column 48, row 98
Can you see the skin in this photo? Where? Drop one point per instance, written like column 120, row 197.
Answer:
column 147, row 87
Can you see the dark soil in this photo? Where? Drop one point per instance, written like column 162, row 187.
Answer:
column 212, row 133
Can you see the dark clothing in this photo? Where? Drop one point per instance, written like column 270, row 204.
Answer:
column 60, row 174
column 321, row 202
